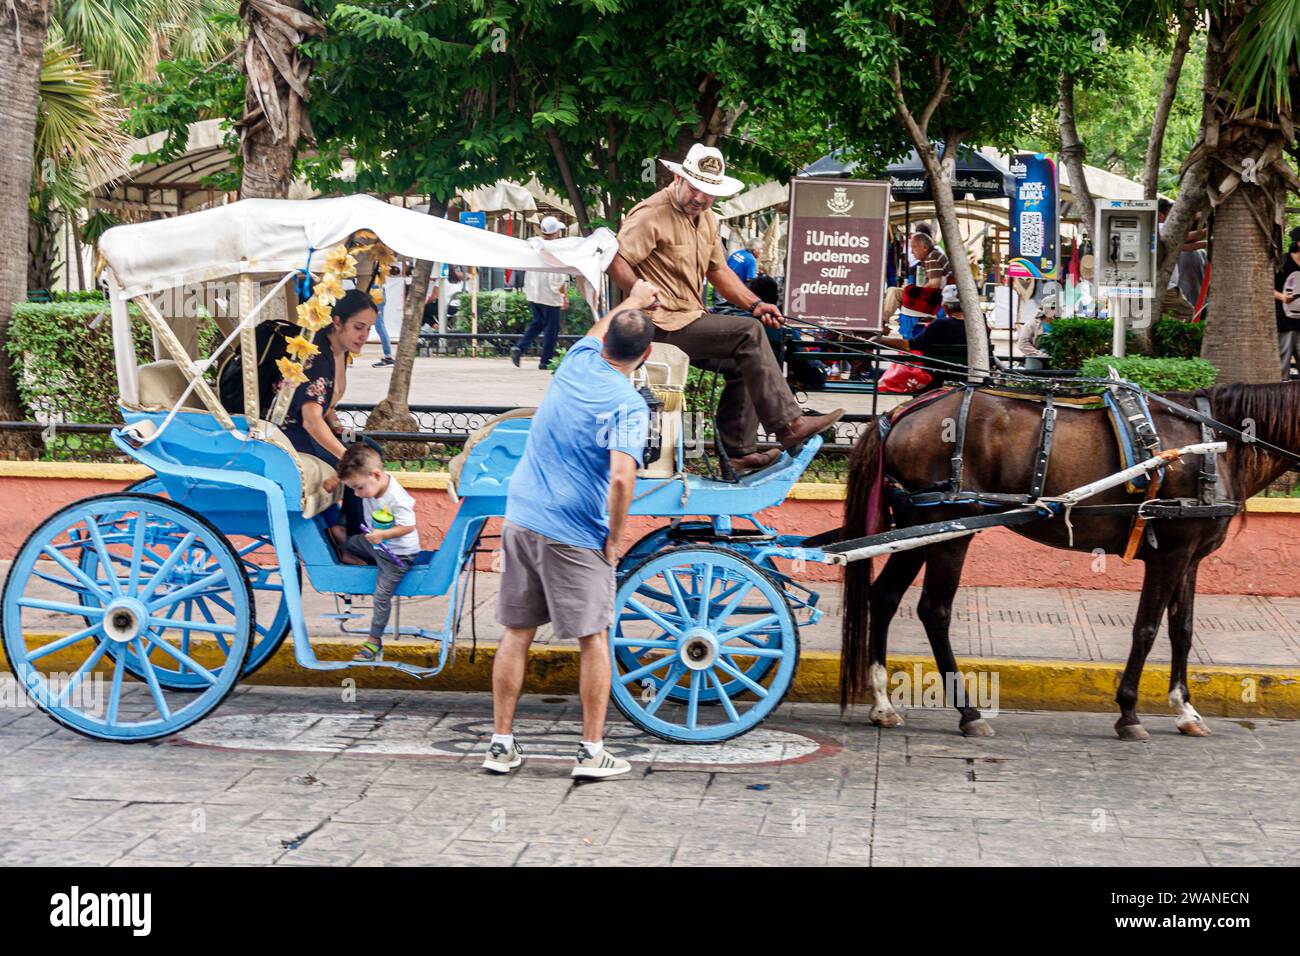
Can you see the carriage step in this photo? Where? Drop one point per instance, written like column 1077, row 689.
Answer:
column 412, row 669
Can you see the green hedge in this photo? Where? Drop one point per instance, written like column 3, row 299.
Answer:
column 1174, row 338
column 505, row 311
column 1155, row 374
column 1071, row 342
column 63, row 358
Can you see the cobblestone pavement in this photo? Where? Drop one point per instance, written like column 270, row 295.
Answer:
column 289, row 776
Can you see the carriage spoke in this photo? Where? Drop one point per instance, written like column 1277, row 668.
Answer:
column 675, row 589
column 656, row 617
column 137, row 554
column 190, row 590
column 166, row 623
column 752, row 626
column 727, row 666
column 183, row 658
column 151, row 678
column 705, row 589
column 167, row 565
column 646, row 670
column 751, row 651
column 115, row 692
column 76, row 572
column 730, row 609
column 644, row 643
column 100, row 650
column 669, row 683
column 693, row 702
column 207, row 616
column 727, row 705
column 105, row 557
column 80, row 610
column 63, row 642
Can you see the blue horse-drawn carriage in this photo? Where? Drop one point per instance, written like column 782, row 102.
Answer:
column 129, row 616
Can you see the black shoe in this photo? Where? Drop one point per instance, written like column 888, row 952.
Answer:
column 386, row 361
column 514, row 356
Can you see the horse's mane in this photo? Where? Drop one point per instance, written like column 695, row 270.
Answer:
column 1270, row 411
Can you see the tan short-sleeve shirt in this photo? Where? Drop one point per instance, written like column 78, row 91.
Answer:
column 665, row 246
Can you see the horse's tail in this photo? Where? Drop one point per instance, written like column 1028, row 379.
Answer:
column 866, row 511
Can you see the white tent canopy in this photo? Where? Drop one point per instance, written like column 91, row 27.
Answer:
column 260, row 236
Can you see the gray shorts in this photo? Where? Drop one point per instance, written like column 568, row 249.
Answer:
column 548, row 581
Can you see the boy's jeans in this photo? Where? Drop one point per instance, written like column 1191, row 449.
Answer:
column 390, row 575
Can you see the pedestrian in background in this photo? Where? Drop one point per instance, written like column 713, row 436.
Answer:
column 548, row 298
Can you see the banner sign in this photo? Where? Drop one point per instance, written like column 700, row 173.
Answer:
column 1035, row 219
column 476, row 219
column 835, row 259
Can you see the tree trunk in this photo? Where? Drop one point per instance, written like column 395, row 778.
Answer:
column 1240, row 334
column 570, row 185
column 1155, row 144
column 275, row 113
column 394, row 412
column 1072, row 154
column 977, row 333
column 23, row 25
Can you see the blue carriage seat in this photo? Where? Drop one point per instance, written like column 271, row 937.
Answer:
column 161, row 385
column 488, row 459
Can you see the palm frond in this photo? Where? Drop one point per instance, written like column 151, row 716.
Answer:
column 79, row 129
column 1268, row 46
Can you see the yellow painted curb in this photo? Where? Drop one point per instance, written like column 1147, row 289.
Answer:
column 1262, row 692
column 103, row 471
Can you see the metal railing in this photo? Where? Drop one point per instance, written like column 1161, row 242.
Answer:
column 443, row 430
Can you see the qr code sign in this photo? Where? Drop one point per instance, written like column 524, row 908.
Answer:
column 1031, row 233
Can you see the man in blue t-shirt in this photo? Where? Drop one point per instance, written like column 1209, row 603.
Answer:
column 568, row 501
column 744, row 262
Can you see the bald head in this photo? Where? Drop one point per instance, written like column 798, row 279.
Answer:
column 630, row 333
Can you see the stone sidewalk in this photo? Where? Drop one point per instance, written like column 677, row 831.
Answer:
column 299, row 777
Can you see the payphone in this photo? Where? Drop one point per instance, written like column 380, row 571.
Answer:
column 1125, row 263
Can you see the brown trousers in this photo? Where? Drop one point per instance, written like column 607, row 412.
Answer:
column 754, row 390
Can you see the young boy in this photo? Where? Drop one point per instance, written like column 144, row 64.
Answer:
column 391, row 548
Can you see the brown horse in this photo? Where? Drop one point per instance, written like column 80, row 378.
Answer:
column 1000, row 447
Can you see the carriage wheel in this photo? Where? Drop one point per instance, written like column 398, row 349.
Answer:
column 271, row 608
column 656, row 541
column 151, row 556
column 690, row 625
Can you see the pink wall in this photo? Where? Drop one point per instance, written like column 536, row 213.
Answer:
column 1263, row 560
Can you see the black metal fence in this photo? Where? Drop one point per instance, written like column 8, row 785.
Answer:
column 443, row 430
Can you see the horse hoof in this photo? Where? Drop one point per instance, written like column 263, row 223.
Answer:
column 1132, row 732
column 1194, row 728
column 976, row 728
column 886, row 718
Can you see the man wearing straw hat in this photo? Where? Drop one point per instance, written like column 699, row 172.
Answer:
column 672, row 240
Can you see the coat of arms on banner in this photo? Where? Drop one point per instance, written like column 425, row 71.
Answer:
column 839, row 204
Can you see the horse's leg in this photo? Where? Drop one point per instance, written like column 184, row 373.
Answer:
column 1164, row 575
column 886, row 594
column 943, row 564
column 1180, row 636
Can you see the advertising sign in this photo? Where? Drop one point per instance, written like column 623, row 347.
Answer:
column 835, row 261
column 1035, row 219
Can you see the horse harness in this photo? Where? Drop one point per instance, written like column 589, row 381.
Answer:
column 1136, row 435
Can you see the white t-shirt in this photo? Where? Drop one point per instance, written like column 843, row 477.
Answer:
column 398, row 501
column 545, row 288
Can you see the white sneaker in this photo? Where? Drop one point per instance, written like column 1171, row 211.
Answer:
column 603, row 764
column 502, row 759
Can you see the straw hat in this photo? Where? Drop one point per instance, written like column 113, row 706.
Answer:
column 704, row 168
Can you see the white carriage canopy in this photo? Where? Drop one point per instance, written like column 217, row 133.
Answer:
column 276, row 237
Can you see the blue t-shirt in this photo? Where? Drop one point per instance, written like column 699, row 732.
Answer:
column 743, row 264
column 560, row 488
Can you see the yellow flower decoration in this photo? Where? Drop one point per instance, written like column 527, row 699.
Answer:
column 341, row 263
column 314, row 315
column 377, row 295
column 291, row 372
column 300, row 347
column 330, row 288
